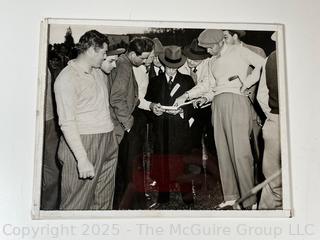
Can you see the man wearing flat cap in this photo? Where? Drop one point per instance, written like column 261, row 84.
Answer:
column 110, row 61
column 232, row 119
column 171, row 127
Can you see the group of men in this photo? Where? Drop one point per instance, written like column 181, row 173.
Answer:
column 105, row 100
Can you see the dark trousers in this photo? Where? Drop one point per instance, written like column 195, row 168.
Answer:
column 172, row 146
column 50, row 189
column 130, row 192
column 170, row 169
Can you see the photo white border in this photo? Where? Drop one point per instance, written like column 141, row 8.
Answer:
column 284, row 121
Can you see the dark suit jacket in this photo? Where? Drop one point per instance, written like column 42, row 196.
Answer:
column 172, row 133
column 152, row 73
column 123, row 94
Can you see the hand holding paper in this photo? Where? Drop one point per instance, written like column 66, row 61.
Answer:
column 176, row 107
column 156, row 108
column 180, row 100
column 199, row 102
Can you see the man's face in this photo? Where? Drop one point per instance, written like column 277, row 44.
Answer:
column 215, row 49
column 149, row 60
column 228, row 38
column 157, row 62
column 170, row 71
column 99, row 55
column 138, row 60
column 109, row 63
column 193, row 63
column 55, row 63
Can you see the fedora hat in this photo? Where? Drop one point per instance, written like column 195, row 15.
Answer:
column 158, row 48
column 172, row 57
column 194, row 52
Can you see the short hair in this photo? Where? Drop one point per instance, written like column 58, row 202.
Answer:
column 91, row 38
column 240, row 34
column 232, row 32
column 140, row 45
column 149, row 44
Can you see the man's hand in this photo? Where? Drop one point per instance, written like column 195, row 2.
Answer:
column 180, row 99
column 86, row 169
column 175, row 112
column 199, row 102
column 243, row 88
column 156, row 108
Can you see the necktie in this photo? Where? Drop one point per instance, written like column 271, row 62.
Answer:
column 160, row 71
column 170, row 83
column 194, row 75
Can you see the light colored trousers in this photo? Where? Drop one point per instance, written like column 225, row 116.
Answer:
column 271, row 196
column 89, row 194
column 232, row 122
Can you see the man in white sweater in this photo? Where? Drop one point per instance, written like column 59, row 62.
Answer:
column 88, row 148
column 231, row 111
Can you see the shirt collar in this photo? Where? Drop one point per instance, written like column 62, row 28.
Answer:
column 173, row 77
column 156, row 68
column 78, row 67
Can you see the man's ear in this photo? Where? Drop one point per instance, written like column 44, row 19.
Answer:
column 91, row 51
column 132, row 54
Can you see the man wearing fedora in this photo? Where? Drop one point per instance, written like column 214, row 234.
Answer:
column 171, row 127
column 197, row 67
column 124, row 99
column 231, row 111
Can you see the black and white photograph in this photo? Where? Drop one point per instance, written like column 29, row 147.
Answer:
column 157, row 118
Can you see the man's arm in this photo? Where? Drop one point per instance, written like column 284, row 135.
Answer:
column 256, row 61
column 263, row 93
column 204, row 85
column 118, row 95
column 65, row 95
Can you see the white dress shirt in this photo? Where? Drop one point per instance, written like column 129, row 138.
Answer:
column 142, row 79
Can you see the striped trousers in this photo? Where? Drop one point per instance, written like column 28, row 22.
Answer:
column 89, row 194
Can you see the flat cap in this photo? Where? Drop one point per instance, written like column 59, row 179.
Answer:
column 209, row 37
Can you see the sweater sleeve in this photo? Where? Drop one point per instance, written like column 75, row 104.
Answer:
column 254, row 60
column 263, row 93
column 66, row 99
column 205, row 83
